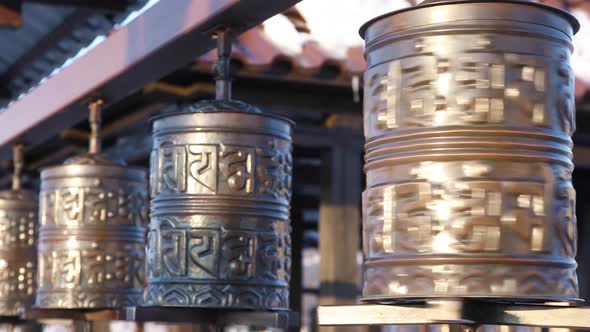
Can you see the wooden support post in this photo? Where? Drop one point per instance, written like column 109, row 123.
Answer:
column 339, row 227
column 295, row 286
column 102, row 5
column 581, row 180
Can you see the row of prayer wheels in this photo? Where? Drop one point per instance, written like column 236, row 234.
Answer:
column 468, row 119
column 219, row 231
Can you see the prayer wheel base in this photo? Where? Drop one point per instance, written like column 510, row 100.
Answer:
column 509, row 278
column 467, row 312
column 222, row 297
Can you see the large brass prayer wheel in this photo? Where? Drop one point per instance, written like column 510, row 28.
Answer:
column 221, row 184
column 18, row 253
column 92, row 237
column 468, row 114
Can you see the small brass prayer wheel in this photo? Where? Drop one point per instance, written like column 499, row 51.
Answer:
column 92, row 236
column 469, row 109
column 221, row 185
column 18, row 239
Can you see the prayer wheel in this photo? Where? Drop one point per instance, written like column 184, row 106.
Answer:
column 220, row 182
column 468, row 114
column 18, row 239
column 92, row 237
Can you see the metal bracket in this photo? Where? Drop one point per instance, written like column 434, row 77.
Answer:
column 470, row 312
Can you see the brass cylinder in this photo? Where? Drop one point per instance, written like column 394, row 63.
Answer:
column 221, row 184
column 92, row 236
column 18, row 251
column 469, row 109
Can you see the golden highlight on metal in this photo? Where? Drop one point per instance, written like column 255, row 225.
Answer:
column 468, row 114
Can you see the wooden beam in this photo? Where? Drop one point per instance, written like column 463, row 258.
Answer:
column 41, row 48
column 170, row 34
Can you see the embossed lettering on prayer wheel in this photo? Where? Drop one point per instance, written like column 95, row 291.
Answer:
column 92, row 236
column 219, row 231
column 469, row 110
column 18, row 253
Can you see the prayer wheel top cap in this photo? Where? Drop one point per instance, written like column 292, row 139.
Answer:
column 19, row 197
column 93, row 165
column 215, row 105
column 571, row 21
column 93, row 159
column 222, row 106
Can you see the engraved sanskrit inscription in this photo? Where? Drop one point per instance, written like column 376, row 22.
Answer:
column 466, row 214
column 473, row 87
column 17, row 228
column 93, row 205
column 210, row 169
column 217, row 254
column 91, row 269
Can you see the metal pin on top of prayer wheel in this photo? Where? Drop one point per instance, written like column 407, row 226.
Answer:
column 222, row 69
column 18, row 160
column 220, row 186
column 18, row 251
column 92, row 235
column 95, row 120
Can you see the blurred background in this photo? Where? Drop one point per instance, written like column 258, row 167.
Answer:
column 306, row 64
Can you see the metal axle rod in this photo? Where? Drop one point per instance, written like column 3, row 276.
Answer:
column 459, row 311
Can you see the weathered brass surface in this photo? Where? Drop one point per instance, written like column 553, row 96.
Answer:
column 469, row 109
column 221, row 184
column 18, row 239
column 92, row 237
